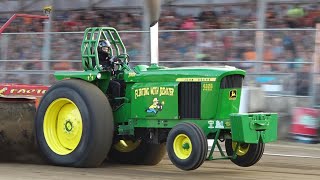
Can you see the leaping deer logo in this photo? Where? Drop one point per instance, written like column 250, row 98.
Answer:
column 3, row 90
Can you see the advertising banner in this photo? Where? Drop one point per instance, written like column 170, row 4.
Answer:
column 305, row 123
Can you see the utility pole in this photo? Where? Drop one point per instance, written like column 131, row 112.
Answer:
column 261, row 7
column 314, row 83
column 46, row 49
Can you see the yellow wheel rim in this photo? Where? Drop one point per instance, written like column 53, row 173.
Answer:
column 243, row 148
column 62, row 126
column 126, row 145
column 182, row 146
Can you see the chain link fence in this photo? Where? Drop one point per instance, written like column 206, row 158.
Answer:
column 285, row 65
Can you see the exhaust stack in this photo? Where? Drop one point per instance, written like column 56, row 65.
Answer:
column 154, row 8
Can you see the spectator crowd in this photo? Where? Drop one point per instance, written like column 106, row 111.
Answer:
column 220, row 46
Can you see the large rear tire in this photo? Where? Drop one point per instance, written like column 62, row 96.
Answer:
column 247, row 154
column 137, row 152
column 187, row 146
column 74, row 124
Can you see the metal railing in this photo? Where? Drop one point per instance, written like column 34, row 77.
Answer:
column 286, row 52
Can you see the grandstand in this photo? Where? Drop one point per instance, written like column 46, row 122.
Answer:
column 216, row 33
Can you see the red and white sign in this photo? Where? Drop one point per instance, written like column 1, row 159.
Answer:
column 22, row 90
column 305, row 121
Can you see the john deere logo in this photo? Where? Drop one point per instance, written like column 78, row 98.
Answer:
column 233, row 94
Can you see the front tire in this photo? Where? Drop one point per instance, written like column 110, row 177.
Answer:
column 74, row 124
column 247, row 154
column 187, row 146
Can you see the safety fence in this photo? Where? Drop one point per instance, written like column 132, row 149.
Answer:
column 281, row 61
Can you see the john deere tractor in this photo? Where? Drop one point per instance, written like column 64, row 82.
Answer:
column 80, row 123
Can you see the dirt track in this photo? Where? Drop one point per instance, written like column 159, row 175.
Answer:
column 271, row 166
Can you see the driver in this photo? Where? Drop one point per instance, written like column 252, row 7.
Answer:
column 104, row 55
column 107, row 63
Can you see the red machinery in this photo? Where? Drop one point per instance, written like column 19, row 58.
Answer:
column 3, row 27
column 23, row 90
column 18, row 103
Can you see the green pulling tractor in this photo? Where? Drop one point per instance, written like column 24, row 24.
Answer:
column 80, row 123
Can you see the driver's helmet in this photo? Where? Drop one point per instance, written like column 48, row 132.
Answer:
column 104, row 46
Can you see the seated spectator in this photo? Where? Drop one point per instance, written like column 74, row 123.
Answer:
column 249, row 55
column 303, row 80
column 294, row 16
column 288, row 42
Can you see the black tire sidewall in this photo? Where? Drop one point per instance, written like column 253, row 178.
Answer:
column 251, row 157
column 196, row 157
column 144, row 154
column 76, row 91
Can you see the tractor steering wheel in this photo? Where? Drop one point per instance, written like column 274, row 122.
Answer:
column 125, row 57
column 121, row 61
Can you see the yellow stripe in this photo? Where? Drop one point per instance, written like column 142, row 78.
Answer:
column 195, row 79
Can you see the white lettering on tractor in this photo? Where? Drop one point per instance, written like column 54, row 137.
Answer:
column 219, row 125
column 154, row 91
column 211, row 123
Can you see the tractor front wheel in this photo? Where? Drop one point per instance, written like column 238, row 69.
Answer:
column 187, row 146
column 247, row 154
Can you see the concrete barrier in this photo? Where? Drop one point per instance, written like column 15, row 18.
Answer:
column 285, row 104
column 252, row 100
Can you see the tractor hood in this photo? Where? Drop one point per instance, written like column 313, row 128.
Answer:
column 156, row 73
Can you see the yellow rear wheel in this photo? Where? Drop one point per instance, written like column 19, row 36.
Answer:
column 126, row 145
column 137, row 152
column 242, row 149
column 74, row 124
column 247, row 154
column 62, row 126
